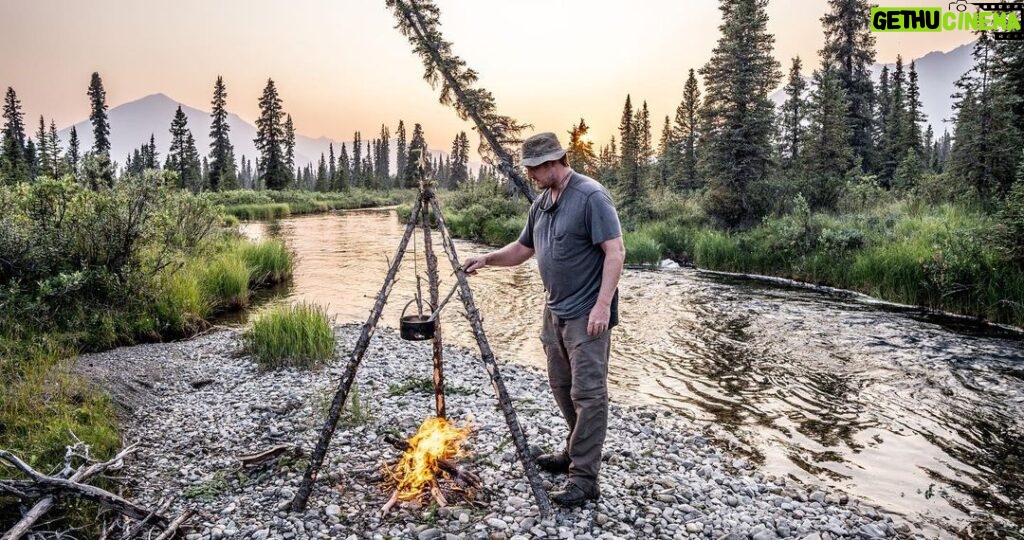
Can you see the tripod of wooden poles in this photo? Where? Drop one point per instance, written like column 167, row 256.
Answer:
column 426, row 203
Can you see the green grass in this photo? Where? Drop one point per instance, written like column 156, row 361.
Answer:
column 259, row 211
column 268, row 261
column 225, row 283
column 642, row 249
column 291, row 336
column 268, row 204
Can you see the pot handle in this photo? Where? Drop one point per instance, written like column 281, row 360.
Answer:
column 406, row 307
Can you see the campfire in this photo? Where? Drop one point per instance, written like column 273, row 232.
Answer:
column 426, row 469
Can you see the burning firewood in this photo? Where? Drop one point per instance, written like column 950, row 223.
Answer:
column 426, row 468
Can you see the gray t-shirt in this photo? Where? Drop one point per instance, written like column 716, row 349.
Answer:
column 566, row 238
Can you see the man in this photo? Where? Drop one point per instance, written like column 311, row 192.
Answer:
column 574, row 230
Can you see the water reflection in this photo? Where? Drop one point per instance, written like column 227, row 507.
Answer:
column 919, row 414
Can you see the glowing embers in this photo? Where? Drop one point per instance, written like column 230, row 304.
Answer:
column 426, row 466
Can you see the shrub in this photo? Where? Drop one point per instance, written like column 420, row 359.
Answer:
column 290, row 336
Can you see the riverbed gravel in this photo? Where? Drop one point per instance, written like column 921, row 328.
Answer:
column 195, row 406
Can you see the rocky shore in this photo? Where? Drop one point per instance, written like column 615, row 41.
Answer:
column 195, row 406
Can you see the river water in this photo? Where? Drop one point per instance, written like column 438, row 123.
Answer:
column 921, row 415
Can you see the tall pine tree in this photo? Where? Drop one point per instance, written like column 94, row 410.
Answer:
column 850, row 50
column 828, row 155
column 685, row 129
column 274, row 169
column 400, row 145
column 459, row 174
column 222, row 173
column 13, row 165
column 417, row 150
column 581, row 149
column 793, row 115
column 98, row 115
column 737, row 116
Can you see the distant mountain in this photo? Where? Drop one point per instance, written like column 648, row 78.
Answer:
column 132, row 123
column 937, row 72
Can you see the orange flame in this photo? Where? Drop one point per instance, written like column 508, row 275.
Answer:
column 418, row 468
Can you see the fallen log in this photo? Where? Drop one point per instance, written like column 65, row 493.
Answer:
column 175, row 524
column 50, row 488
column 47, row 503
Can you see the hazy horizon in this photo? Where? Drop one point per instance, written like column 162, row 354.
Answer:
column 341, row 67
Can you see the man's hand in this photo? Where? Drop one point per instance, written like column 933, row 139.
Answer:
column 599, row 318
column 472, row 264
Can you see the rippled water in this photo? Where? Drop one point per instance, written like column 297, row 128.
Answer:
column 921, row 415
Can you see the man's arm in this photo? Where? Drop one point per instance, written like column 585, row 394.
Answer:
column 510, row 255
column 614, row 257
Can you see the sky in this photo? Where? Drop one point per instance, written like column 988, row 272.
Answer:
column 340, row 66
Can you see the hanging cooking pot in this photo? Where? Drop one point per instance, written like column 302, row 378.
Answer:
column 421, row 327
column 417, row 327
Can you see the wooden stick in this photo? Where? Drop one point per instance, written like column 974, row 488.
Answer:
column 428, row 247
column 259, row 458
column 391, row 502
column 45, row 504
column 137, row 528
column 173, row 527
column 327, row 432
column 491, row 366
column 438, row 496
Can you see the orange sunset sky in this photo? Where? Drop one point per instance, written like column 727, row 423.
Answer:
column 340, row 66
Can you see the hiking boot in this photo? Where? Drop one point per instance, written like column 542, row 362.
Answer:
column 573, row 495
column 554, row 463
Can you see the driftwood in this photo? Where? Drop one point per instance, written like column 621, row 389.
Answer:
column 267, row 456
column 68, row 483
column 177, row 522
column 428, row 248
column 491, row 366
column 341, row 395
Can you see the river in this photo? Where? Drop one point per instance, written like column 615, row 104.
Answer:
column 921, row 415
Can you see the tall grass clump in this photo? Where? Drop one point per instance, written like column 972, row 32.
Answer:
column 269, row 261
column 642, row 249
column 226, row 282
column 297, row 335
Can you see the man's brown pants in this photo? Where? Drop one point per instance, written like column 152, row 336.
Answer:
column 578, row 374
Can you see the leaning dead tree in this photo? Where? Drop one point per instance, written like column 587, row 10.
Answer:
column 419, row 21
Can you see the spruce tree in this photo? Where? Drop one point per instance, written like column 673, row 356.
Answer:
column 369, row 175
column 794, row 112
column 73, row 156
column 383, row 161
column 894, row 136
column 628, row 183
column 459, row 175
column 332, row 167
column 580, row 149
column 685, row 129
column 344, row 169
column 289, row 144
column 13, row 166
column 737, row 116
column 98, row 115
column 322, row 178
column 53, row 151
column 850, row 50
column 32, row 158
column 357, row 159
column 828, row 155
column 152, row 157
column 222, row 173
column 400, row 146
column 644, row 142
column 913, row 137
column 274, row 171
column 176, row 153
column 42, row 165
column 417, row 150
column 984, row 127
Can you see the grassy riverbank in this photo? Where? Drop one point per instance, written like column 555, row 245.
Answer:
column 268, row 204
column 941, row 255
column 86, row 271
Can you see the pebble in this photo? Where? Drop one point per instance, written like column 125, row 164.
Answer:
column 663, row 476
